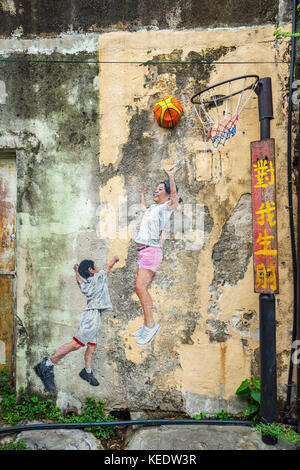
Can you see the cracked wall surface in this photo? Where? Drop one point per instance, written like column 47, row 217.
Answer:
column 37, row 18
column 209, row 334
column 86, row 142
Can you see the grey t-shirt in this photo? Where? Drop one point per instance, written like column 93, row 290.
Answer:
column 154, row 220
column 96, row 291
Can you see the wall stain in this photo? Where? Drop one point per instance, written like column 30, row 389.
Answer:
column 223, row 348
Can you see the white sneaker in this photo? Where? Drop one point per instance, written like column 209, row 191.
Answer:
column 138, row 332
column 148, row 335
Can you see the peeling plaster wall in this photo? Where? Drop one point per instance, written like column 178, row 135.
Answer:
column 85, row 136
column 49, row 17
column 51, row 118
column 203, row 296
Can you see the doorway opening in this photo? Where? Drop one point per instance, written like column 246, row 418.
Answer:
column 8, row 200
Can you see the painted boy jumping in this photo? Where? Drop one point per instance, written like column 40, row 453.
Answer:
column 92, row 284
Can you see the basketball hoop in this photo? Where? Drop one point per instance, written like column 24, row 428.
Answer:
column 219, row 106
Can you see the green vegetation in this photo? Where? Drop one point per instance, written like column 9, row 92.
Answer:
column 20, row 444
column 250, row 389
column 200, row 416
column 280, row 431
column 278, row 33
column 281, row 34
column 221, row 415
column 92, row 413
column 15, row 409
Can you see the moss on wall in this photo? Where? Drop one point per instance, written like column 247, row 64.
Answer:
column 52, row 17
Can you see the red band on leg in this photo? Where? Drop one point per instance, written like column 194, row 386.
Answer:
column 77, row 341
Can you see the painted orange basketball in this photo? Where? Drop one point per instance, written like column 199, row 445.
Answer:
column 168, row 111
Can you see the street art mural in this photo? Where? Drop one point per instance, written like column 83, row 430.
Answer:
column 164, row 314
column 92, row 284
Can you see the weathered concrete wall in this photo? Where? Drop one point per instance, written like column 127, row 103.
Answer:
column 204, row 297
column 50, row 116
column 44, row 17
column 85, row 135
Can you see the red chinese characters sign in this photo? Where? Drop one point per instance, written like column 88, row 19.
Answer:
column 264, row 216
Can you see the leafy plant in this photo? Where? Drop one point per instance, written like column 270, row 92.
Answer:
column 92, row 413
column 280, row 431
column 250, row 389
column 14, row 409
column 221, row 415
column 200, row 416
column 5, row 386
column 278, row 33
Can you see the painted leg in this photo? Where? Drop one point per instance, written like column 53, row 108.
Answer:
column 64, row 350
column 88, row 356
column 143, row 280
column 84, row 374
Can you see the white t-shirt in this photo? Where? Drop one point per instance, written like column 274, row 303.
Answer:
column 154, row 219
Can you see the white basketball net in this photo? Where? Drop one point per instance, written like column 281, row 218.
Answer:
column 219, row 117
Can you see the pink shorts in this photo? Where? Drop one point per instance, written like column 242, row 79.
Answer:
column 150, row 257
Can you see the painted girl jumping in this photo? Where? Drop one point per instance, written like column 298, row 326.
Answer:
column 149, row 252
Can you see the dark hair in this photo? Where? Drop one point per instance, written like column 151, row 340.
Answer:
column 168, row 189
column 84, row 266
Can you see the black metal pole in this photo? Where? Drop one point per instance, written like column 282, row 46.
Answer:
column 267, row 335
column 265, row 106
column 267, row 317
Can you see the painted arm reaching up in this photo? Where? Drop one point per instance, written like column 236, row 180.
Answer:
column 174, row 199
column 78, row 277
column 107, row 269
column 143, row 201
column 111, row 264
